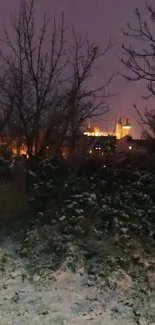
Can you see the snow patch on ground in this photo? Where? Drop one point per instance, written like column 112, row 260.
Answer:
column 64, row 297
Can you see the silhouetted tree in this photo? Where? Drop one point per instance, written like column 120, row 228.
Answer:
column 7, row 99
column 49, row 83
column 140, row 61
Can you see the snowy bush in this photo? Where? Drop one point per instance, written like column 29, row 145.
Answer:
column 119, row 203
column 4, row 166
column 124, row 194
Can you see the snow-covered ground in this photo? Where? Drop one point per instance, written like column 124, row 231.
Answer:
column 69, row 298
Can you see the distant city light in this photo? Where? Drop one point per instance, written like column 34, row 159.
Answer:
column 130, row 147
column 90, row 151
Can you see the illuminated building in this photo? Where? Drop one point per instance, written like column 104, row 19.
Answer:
column 121, row 130
column 95, row 132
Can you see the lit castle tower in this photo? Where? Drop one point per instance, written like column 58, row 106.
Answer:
column 123, row 130
column 127, row 128
column 119, row 129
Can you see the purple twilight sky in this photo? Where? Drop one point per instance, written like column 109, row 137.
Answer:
column 99, row 18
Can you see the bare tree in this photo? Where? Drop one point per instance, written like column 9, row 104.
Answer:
column 6, row 99
column 46, row 98
column 141, row 62
column 81, row 103
column 33, row 71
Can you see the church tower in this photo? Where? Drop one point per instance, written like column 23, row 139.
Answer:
column 119, row 129
column 126, row 128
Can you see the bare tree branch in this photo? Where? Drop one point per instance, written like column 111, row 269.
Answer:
column 141, row 62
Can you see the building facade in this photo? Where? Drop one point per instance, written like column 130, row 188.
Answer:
column 121, row 129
